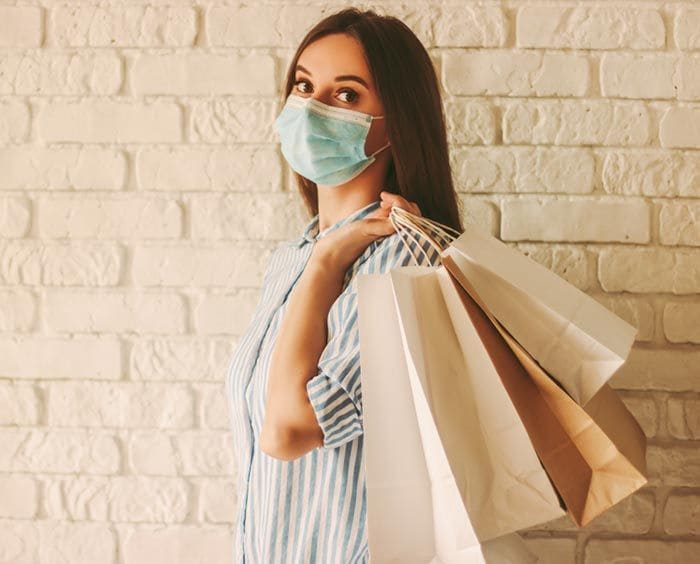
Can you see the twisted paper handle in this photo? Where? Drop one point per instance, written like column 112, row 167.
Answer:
column 407, row 224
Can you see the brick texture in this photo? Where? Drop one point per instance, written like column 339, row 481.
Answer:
column 142, row 190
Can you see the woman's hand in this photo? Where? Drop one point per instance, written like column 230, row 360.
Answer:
column 340, row 248
column 389, row 200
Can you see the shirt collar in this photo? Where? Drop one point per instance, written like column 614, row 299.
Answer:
column 311, row 234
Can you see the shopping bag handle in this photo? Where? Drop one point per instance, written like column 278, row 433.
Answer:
column 407, row 224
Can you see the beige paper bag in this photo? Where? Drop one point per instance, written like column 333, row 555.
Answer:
column 415, row 513
column 574, row 338
column 502, row 482
column 595, row 454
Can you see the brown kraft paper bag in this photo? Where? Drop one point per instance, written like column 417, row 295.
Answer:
column 594, row 455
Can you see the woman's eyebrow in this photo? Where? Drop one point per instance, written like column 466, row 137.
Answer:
column 339, row 78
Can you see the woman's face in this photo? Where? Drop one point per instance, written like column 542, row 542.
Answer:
column 333, row 70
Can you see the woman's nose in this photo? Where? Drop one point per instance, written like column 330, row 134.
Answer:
column 323, row 98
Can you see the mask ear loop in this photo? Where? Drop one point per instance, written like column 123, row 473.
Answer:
column 381, row 148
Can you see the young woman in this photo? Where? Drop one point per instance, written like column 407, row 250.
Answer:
column 363, row 129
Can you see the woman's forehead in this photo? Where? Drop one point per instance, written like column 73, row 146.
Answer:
column 335, row 54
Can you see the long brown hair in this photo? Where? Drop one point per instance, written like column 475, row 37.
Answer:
column 408, row 88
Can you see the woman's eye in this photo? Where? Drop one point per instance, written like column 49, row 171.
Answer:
column 298, row 82
column 349, row 92
column 353, row 95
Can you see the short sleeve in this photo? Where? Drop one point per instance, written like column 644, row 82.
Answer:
column 335, row 392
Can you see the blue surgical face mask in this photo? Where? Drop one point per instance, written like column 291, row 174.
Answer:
column 323, row 143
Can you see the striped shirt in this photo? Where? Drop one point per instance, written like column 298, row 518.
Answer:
column 311, row 509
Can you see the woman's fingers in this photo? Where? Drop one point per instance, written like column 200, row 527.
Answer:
column 389, row 199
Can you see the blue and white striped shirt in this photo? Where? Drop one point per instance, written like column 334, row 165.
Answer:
column 311, row 509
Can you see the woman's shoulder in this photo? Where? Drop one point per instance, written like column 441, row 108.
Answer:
column 389, row 252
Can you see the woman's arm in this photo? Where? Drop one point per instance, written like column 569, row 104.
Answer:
column 290, row 428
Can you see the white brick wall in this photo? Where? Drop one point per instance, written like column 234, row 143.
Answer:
column 141, row 191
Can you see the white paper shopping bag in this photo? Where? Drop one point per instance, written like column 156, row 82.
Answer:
column 415, row 512
column 503, row 484
column 574, row 338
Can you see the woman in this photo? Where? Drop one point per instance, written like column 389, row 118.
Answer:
column 363, row 130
